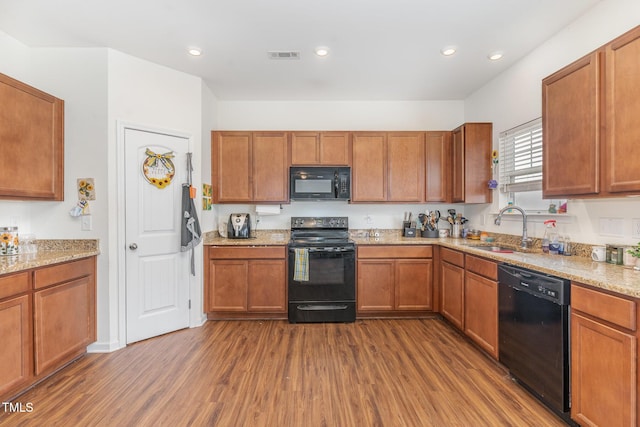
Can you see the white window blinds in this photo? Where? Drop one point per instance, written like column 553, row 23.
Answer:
column 521, row 158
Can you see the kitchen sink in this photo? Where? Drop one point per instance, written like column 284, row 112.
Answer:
column 500, row 249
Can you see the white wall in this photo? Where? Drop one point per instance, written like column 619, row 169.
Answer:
column 145, row 94
column 209, row 122
column 340, row 115
column 515, row 97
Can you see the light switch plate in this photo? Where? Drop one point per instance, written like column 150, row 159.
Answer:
column 87, row 223
column 612, row 226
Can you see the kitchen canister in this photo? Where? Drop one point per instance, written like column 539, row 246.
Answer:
column 9, row 243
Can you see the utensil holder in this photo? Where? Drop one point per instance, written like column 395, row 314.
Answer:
column 430, row 233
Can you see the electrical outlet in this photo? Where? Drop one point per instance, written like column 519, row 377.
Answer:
column 635, row 228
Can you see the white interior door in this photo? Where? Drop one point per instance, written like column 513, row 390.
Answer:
column 157, row 272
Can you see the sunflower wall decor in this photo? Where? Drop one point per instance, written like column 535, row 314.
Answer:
column 86, row 189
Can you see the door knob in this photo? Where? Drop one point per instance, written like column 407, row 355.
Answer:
column 133, row 246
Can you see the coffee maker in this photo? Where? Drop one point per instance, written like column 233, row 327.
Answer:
column 239, row 226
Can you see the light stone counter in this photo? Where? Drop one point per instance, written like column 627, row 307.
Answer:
column 49, row 252
column 262, row 238
column 615, row 278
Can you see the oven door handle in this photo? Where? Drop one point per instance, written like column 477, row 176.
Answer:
column 329, row 250
column 312, row 307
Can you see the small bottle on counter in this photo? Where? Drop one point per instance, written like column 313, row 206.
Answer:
column 567, row 246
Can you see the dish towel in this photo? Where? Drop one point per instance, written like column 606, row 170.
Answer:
column 301, row 265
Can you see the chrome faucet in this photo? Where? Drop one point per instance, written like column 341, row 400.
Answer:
column 525, row 239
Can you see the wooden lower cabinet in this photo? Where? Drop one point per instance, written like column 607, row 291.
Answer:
column 481, row 312
column 47, row 319
column 16, row 366
column 603, row 359
column 394, row 279
column 245, row 282
column 72, row 305
column 452, row 286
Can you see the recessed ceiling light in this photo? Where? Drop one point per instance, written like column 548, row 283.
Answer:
column 322, row 51
column 194, row 51
column 494, row 56
column 448, row 51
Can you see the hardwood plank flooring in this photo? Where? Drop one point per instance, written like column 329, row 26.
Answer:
column 271, row 373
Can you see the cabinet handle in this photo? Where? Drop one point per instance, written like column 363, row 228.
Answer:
column 133, row 246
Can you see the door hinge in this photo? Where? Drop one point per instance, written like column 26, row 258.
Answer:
column 189, row 304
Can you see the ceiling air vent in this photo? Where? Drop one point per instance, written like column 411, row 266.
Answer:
column 274, row 54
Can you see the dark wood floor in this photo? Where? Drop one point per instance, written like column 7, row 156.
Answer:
column 271, row 373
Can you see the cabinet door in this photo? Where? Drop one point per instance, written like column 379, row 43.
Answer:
column 270, row 175
column 228, row 283
column 335, row 148
column 457, row 165
column 478, row 140
column 452, row 291
column 375, row 285
column 369, row 175
column 63, row 325
column 305, row 148
column 603, row 374
column 405, row 157
column 16, row 366
column 32, row 141
column 231, row 167
column 438, row 161
column 414, row 285
column 267, row 286
column 622, row 112
column 571, row 104
column 481, row 312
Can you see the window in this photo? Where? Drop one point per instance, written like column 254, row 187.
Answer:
column 521, row 158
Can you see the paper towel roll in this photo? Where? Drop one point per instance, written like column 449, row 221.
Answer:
column 267, row 209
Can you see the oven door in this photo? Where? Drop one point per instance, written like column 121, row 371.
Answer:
column 331, row 275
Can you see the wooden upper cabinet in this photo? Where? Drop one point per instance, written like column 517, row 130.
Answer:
column 457, row 165
column 231, row 167
column 471, row 163
column 320, row 148
column 571, row 103
column 388, row 167
column 405, row 157
column 32, row 141
column 622, row 147
column 249, row 167
column 591, row 132
column 438, row 166
column 369, row 173
column 270, row 167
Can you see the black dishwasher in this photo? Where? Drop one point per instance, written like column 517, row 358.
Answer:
column 533, row 329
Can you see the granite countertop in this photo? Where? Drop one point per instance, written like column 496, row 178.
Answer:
column 49, row 252
column 262, row 238
column 579, row 268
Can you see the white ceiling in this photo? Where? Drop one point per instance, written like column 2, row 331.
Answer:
column 379, row 49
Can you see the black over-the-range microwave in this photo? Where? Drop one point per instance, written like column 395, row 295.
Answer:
column 320, row 183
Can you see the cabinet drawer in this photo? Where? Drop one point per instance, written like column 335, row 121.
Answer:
column 221, row 252
column 452, row 257
column 619, row 311
column 483, row 267
column 395, row 252
column 14, row 284
column 63, row 272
